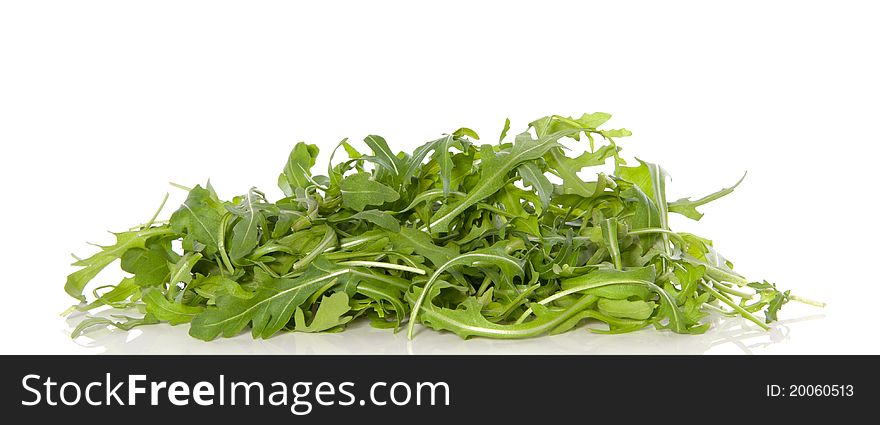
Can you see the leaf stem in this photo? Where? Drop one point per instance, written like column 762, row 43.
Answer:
column 609, row 230
column 221, row 242
column 722, row 287
column 485, row 285
column 723, row 298
column 650, row 230
column 807, row 301
column 391, row 266
column 180, row 186
column 156, row 214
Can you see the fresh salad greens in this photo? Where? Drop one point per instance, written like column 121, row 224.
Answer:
column 501, row 240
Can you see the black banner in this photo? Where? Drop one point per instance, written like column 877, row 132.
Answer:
column 436, row 388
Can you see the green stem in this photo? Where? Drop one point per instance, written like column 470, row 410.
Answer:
column 180, row 186
column 391, row 266
column 806, row 301
column 518, row 300
column 352, row 242
column 722, row 287
column 609, row 230
column 651, row 230
column 156, row 214
column 516, row 331
column 719, row 310
column 721, row 297
column 221, row 242
column 328, row 240
column 484, row 286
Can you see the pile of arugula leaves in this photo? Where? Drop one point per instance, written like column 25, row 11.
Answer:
column 474, row 239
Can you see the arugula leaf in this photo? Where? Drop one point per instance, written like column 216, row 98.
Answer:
column 495, row 167
column 297, row 172
column 271, row 307
column 359, row 190
column 117, row 297
column 422, row 244
column 504, row 130
column 93, row 265
column 688, row 208
column 534, row 177
column 198, row 219
column 379, row 218
column 627, row 309
column 246, row 232
column 168, row 311
column 330, row 314
column 651, row 179
column 149, row 265
column 469, row 321
column 388, row 162
column 487, row 256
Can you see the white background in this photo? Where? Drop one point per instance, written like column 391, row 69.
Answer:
column 103, row 103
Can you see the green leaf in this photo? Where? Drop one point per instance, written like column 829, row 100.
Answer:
column 358, row 191
column 639, row 310
column 118, row 297
column 486, row 257
column 297, row 172
column 593, row 281
column 93, row 265
column 379, row 218
column 271, row 307
column 444, row 160
column 504, row 130
column 422, row 244
column 389, row 162
column 688, row 208
column 651, row 179
column 469, row 321
column 495, row 168
column 166, row 310
column 688, row 277
column 216, row 285
column 246, row 232
column 645, row 212
column 567, row 168
column 622, row 132
column 464, row 131
column 199, row 220
column 330, row 314
column 149, row 265
column 534, row 177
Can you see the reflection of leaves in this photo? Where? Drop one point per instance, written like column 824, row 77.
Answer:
column 125, row 323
